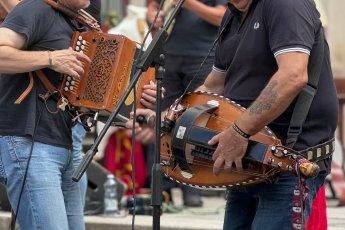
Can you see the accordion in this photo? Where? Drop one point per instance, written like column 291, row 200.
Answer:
column 106, row 78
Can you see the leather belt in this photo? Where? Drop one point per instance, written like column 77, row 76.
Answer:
column 319, row 152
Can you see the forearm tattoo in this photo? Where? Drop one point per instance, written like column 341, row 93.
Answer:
column 266, row 99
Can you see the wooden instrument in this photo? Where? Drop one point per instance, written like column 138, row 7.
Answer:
column 81, row 16
column 187, row 158
column 106, row 78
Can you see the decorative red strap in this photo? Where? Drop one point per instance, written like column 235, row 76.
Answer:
column 301, row 192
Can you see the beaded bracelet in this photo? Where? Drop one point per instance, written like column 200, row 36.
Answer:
column 239, row 131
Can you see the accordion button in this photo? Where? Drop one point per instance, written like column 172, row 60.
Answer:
column 84, row 42
column 77, row 48
column 78, row 43
column 72, row 82
column 66, row 88
column 71, row 88
column 82, row 47
column 80, row 38
column 69, row 78
column 67, row 83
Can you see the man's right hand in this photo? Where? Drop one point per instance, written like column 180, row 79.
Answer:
column 68, row 62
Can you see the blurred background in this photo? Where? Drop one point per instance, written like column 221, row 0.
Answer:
column 332, row 12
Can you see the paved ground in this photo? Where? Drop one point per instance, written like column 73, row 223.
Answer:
column 209, row 217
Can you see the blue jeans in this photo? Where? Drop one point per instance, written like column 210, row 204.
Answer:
column 78, row 134
column 267, row 205
column 50, row 199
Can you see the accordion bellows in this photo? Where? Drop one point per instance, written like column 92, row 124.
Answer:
column 106, row 78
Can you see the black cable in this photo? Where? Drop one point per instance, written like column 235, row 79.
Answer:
column 133, row 160
column 14, row 215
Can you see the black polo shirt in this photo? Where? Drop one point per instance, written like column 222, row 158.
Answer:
column 246, row 55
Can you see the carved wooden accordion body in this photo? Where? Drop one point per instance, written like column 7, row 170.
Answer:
column 106, row 78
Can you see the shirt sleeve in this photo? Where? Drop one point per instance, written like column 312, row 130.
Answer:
column 31, row 18
column 291, row 25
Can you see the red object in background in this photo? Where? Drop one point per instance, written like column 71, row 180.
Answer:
column 318, row 217
column 117, row 160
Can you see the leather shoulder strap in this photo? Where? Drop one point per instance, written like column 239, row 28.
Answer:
column 47, row 84
column 305, row 98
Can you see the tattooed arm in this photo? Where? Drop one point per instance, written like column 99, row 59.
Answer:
column 284, row 86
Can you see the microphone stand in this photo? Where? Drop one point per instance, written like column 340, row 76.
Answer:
column 153, row 56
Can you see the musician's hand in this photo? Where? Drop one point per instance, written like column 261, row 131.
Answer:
column 231, row 149
column 148, row 114
column 145, row 132
column 69, row 62
column 149, row 95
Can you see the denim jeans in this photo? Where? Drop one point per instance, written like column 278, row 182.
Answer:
column 267, row 205
column 78, row 134
column 50, row 199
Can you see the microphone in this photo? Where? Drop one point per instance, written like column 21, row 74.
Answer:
column 150, row 120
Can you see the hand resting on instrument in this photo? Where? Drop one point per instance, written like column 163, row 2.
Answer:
column 68, row 62
column 231, row 149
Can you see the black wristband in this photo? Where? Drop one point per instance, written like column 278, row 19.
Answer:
column 239, row 131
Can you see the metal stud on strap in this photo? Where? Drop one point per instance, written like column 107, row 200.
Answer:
column 321, row 151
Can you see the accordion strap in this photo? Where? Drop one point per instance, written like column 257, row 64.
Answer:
column 26, row 91
column 306, row 97
column 47, row 84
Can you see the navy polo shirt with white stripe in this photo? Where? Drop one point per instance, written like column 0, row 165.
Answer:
column 247, row 53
